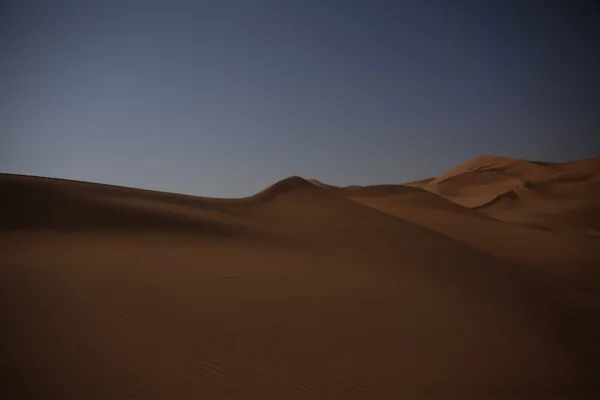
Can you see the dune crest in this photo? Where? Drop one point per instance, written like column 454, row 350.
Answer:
column 507, row 166
column 292, row 183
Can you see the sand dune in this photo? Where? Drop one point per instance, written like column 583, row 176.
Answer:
column 550, row 196
column 304, row 290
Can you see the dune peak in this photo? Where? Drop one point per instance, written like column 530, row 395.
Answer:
column 295, row 180
column 292, row 183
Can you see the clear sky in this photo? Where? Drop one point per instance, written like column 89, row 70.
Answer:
column 222, row 98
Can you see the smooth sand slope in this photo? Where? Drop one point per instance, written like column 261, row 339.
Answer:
column 300, row 291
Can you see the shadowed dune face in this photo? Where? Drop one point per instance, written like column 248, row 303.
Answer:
column 40, row 204
column 348, row 293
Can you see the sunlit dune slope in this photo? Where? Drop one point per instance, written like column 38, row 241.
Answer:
column 550, row 196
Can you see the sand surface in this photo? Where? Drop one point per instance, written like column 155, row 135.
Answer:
column 441, row 288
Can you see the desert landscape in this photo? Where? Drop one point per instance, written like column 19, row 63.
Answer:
column 483, row 282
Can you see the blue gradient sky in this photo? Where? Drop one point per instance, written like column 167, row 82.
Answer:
column 222, row 98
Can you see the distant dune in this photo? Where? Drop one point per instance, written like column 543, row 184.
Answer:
column 549, row 196
column 483, row 282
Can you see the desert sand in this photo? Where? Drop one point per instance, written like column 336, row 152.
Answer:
column 483, row 282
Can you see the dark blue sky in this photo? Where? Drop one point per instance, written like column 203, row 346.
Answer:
column 221, row 98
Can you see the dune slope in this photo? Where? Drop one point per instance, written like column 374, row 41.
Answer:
column 569, row 255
